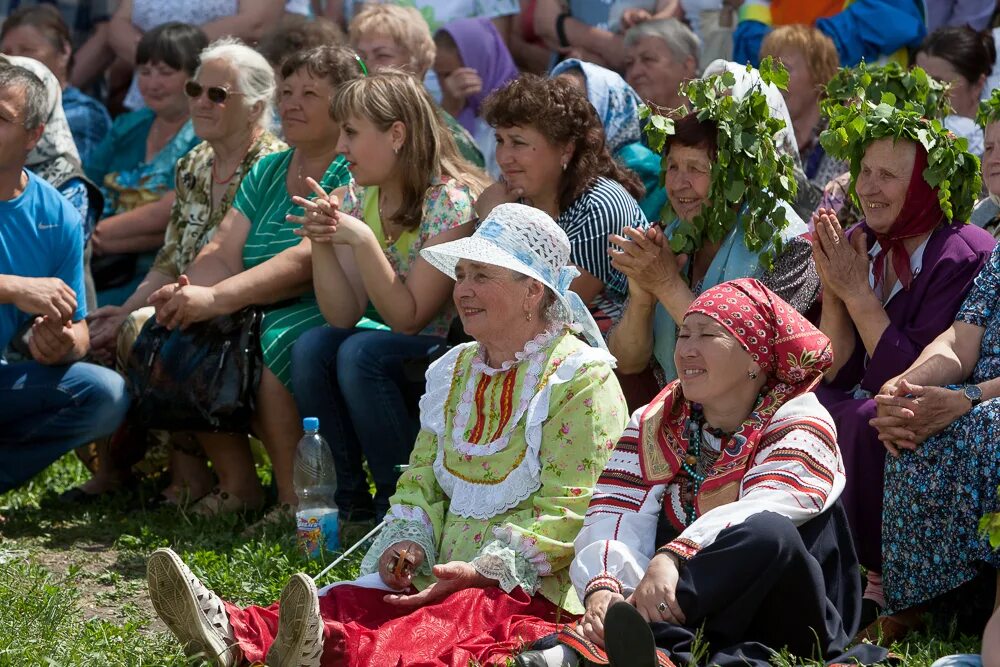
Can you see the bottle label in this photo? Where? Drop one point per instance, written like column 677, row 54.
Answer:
column 318, row 531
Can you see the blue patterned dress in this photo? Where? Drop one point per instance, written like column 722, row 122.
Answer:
column 935, row 496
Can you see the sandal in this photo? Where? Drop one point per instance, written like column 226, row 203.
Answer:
column 220, row 502
column 281, row 516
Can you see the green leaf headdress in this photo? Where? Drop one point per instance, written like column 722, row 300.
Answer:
column 748, row 172
column 989, row 110
column 950, row 166
column 851, row 85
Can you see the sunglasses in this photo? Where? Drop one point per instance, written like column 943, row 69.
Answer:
column 216, row 94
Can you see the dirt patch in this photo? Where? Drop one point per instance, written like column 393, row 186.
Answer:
column 111, row 584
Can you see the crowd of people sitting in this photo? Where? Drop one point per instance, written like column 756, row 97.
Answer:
column 656, row 332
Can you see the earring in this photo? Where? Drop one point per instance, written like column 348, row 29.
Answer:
column 395, row 150
column 527, row 315
column 564, row 166
column 752, row 375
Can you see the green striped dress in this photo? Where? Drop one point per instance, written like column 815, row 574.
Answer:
column 264, row 200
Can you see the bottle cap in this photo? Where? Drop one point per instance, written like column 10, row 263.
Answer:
column 310, row 424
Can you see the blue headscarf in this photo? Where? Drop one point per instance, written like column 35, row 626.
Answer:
column 616, row 102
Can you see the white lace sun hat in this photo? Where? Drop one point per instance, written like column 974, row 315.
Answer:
column 527, row 240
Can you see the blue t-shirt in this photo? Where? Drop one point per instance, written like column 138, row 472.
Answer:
column 41, row 236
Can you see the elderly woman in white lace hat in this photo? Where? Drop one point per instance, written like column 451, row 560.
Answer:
column 516, row 426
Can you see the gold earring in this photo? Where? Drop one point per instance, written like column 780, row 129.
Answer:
column 527, row 315
column 752, row 374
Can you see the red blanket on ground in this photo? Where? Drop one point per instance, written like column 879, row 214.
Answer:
column 481, row 625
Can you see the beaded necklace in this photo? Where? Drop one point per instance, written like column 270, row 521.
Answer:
column 691, row 463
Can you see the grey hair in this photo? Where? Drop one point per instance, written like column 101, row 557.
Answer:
column 680, row 39
column 553, row 311
column 35, row 97
column 254, row 75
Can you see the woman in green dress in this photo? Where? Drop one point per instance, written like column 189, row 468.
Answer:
column 256, row 259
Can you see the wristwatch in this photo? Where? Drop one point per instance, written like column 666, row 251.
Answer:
column 561, row 29
column 973, row 393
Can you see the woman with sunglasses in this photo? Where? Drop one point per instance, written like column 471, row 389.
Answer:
column 134, row 164
column 229, row 99
column 254, row 258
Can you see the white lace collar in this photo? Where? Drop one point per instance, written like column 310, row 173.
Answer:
column 536, row 344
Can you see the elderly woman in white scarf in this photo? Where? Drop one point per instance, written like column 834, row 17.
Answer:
column 516, row 426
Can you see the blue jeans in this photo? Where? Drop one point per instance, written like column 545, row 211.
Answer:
column 355, row 382
column 961, row 660
column 45, row 411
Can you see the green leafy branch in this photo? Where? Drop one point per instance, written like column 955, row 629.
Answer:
column 749, row 180
column 989, row 526
column 870, row 83
column 950, row 166
column 989, row 110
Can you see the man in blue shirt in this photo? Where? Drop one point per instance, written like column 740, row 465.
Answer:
column 54, row 402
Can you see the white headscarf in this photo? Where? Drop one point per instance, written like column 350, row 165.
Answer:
column 747, row 81
column 54, row 157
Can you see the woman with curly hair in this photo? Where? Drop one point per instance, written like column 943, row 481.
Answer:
column 552, row 154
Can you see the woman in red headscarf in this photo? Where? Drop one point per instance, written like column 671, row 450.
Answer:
column 889, row 288
column 718, row 511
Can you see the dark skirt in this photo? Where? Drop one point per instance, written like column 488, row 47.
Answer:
column 761, row 587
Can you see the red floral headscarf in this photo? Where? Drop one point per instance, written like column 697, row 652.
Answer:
column 791, row 351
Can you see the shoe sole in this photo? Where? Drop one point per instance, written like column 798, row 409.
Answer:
column 628, row 638
column 298, row 602
column 175, row 602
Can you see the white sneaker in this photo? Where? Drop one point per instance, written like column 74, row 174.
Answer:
column 195, row 615
column 299, row 642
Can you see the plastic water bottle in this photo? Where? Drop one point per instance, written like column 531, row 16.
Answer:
column 315, row 482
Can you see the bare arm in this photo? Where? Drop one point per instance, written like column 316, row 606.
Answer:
column 223, row 256
column 133, row 230
column 609, row 46
column 406, row 305
column 337, row 282
column 92, row 59
column 948, row 359
column 504, row 26
column 631, row 341
column 836, row 323
column 334, row 11
column 252, row 19
column 869, row 317
column 123, row 36
column 285, row 276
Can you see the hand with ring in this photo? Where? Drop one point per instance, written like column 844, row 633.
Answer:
column 656, row 595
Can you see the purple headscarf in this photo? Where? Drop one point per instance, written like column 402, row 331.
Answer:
column 482, row 48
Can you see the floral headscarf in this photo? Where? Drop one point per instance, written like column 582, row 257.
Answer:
column 791, row 351
column 616, row 102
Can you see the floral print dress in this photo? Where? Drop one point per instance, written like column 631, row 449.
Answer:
column 505, row 463
column 936, row 494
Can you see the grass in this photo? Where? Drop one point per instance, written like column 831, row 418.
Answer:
column 72, row 579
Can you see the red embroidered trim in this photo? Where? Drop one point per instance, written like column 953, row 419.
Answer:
column 506, row 403
column 683, row 547
column 477, row 431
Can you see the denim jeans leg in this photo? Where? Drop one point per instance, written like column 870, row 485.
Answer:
column 318, row 394
column 45, row 411
column 372, row 364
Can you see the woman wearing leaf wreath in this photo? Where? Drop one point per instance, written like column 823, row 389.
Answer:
column 945, row 446
column 717, row 521
column 891, row 284
column 752, row 233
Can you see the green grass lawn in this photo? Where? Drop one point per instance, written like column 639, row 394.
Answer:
column 73, row 588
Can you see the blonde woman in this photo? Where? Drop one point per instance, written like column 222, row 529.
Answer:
column 411, row 190
column 386, row 35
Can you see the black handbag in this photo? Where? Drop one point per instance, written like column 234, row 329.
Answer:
column 204, row 378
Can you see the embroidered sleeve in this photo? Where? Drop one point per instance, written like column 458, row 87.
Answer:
column 619, row 531
column 403, row 522
column 417, row 508
column 586, row 415
column 797, row 473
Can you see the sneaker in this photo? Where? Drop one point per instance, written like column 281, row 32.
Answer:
column 299, row 642
column 195, row 615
